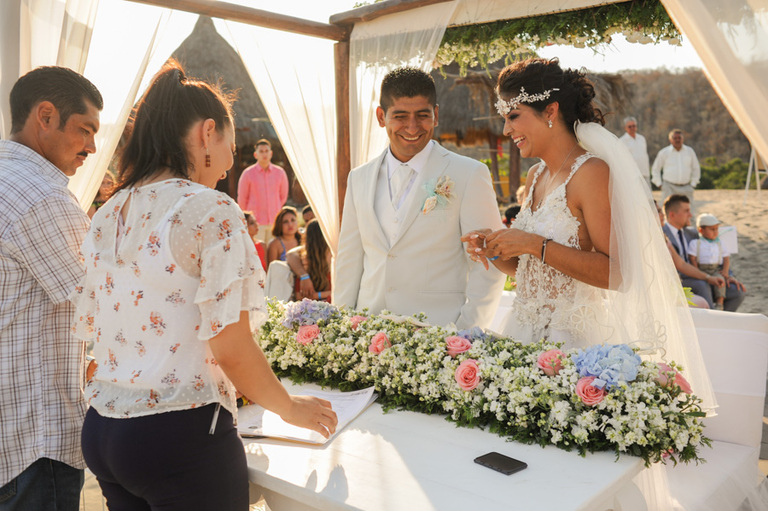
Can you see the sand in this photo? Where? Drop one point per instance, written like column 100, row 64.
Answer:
column 751, row 221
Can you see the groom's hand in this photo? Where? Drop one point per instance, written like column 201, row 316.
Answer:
column 475, row 241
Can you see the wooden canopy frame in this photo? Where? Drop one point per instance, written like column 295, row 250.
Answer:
column 339, row 30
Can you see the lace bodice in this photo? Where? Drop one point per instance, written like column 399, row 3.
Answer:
column 547, row 299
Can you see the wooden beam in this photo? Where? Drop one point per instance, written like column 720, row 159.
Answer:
column 257, row 17
column 343, row 156
column 373, row 11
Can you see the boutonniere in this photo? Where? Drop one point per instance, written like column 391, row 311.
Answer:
column 438, row 193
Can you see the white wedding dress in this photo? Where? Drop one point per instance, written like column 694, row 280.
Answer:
column 549, row 303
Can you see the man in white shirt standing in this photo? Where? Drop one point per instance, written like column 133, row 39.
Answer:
column 405, row 211
column 676, row 168
column 636, row 144
column 54, row 117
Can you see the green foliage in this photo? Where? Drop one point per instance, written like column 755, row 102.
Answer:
column 643, row 21
column 731, row 175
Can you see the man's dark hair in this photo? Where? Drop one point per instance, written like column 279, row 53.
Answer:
column 407, row 82
column 672, row 202
column 262, row 141
column 67, row 90
column 306, row 209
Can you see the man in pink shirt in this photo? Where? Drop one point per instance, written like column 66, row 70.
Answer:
column 263, row 189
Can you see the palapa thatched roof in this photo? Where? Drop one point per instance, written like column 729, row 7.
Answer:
column 206, row 55
column 467, row 113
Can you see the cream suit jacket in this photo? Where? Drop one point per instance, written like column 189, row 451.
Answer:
column 426, row 268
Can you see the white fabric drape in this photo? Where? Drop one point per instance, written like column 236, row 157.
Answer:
column 42, row 33
column 731, row 37
column 294, row 77
column 409, row 38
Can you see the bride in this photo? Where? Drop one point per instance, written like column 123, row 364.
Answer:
column 586, row 250
column 589, row 258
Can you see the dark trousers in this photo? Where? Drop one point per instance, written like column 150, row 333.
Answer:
column 733, row 296
column 167, row 461
column 45, row 485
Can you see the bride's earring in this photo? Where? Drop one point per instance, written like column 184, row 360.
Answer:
column 549, row 123
column 208, row 158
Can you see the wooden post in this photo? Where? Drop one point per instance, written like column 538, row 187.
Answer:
column 343, row 156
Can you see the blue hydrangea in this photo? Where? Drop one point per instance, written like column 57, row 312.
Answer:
column 609, row 364
column 474, row 334
column 307, row 312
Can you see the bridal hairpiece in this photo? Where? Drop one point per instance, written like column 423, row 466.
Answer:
column 504, row 107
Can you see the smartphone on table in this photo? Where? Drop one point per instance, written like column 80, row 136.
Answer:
column 501, row 463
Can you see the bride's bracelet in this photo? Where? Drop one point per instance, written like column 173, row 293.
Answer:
column 544, row 248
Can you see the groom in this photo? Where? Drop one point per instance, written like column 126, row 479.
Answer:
column 405, row 212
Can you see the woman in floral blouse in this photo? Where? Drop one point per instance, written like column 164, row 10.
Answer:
column 171, row 296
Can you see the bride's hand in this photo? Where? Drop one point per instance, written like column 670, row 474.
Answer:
column 475, row 241
column 509, row 243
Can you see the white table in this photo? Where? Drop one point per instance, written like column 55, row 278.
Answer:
column 403, row 461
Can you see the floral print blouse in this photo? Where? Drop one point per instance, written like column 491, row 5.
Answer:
column 159, row 286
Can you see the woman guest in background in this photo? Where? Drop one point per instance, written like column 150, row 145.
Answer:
column 314, row 256
column 171, row 296
column 286, row 233
column 105, row 190
column 253, row 230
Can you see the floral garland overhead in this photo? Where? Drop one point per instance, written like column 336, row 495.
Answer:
column 598, row 399
column 641, row 21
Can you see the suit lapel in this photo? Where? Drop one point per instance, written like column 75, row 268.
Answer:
column 435, row 167
column 371, row 178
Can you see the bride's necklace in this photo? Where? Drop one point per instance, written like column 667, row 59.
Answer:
column 553, row 175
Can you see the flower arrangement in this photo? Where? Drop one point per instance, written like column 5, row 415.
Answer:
column 439, row 193
column 600, row 398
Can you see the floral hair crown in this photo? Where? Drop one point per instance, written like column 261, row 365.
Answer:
column 504, row 107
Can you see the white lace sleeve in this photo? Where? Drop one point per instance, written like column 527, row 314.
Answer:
column 212, row 242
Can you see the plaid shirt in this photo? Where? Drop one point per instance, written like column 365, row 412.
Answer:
column 41, row 365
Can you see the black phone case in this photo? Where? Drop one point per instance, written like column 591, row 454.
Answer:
column 501, row 463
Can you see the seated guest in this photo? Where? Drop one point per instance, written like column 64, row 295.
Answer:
column 687, row 269
column 509, row 215
column 708, row 255
column 105, row 190
column 286, row 233
column 677, row 209
column 307, row 214
column 315, row 257
column 253, row 231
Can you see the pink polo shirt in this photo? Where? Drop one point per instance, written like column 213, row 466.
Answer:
column 263, row 192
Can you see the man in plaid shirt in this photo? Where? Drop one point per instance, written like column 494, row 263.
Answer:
column 54, row 116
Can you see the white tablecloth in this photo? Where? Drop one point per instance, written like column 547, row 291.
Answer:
column 411, row 461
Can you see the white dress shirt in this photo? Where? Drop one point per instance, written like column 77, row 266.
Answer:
column 639, row 149
column 678, row 167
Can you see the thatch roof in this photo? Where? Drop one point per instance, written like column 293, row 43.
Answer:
column 467, row 113
column 206, row 55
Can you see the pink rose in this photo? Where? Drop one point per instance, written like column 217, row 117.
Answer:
column 356, row 320
column 307, row 334
column 457, row 345
column 551, row 362
column 589, row 395
column 680, row 381
column 379, row 343
column 467, row 374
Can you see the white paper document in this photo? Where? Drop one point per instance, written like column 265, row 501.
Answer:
column 255, row 421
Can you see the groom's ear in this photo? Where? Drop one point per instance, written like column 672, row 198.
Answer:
column 380, row 116
column 437, row 108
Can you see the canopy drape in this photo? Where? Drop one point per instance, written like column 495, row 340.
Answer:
column 294, row 77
